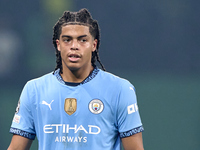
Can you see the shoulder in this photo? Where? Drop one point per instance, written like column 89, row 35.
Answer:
column 113, row 79
column 42, row 80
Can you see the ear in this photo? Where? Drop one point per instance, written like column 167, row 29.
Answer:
column 94, row 45
column 58, row 44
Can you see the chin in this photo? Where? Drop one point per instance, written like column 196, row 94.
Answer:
column 73, row 68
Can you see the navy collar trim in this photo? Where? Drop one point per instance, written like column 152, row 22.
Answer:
column 90, row 77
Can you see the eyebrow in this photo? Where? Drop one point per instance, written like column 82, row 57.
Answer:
column 67, row 36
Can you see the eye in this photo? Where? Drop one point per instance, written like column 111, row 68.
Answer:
column 66, row 40
column 83, row 40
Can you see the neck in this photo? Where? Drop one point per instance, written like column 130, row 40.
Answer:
column 76, row 75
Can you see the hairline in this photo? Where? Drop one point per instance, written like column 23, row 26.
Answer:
column 77, row 23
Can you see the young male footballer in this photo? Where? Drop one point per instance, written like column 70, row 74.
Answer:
column 77, row 106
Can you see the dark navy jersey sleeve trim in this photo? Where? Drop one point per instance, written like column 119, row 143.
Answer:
column 25, row 134
column 131, row 132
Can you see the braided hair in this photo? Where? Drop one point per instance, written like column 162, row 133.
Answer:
column 82, row 17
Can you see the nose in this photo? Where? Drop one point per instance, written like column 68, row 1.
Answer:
column 74, row 45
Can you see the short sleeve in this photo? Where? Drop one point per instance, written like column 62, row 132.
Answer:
column 22, row 123
column 128, row 117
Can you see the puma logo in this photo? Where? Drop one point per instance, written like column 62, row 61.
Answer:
column 49, row 105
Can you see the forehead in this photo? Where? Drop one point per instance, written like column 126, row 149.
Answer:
column 75, row 30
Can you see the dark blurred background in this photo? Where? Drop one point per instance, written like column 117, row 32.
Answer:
column 154, row 44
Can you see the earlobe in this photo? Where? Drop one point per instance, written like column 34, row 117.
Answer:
column 58, row 44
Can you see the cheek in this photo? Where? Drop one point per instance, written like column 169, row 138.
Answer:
column 63, row 48
column 91, row 47
column 89, row 54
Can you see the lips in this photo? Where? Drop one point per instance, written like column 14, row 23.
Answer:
column 74, row 57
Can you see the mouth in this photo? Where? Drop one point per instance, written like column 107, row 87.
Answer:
column 74, row 57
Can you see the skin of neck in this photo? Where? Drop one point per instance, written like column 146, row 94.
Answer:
column 76, row 75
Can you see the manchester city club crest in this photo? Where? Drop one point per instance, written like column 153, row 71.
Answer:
column 96, row 106
column 70, row 105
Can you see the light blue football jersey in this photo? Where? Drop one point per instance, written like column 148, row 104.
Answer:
column 94, row 114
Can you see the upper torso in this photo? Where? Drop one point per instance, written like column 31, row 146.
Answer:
column 78, row 117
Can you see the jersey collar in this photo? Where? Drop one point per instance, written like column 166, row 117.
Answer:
column 90, row 77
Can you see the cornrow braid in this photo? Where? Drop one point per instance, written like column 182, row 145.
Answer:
column 96, row 57
column 82, row 17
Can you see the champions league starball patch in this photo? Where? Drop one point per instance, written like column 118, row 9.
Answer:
column 96, row 106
